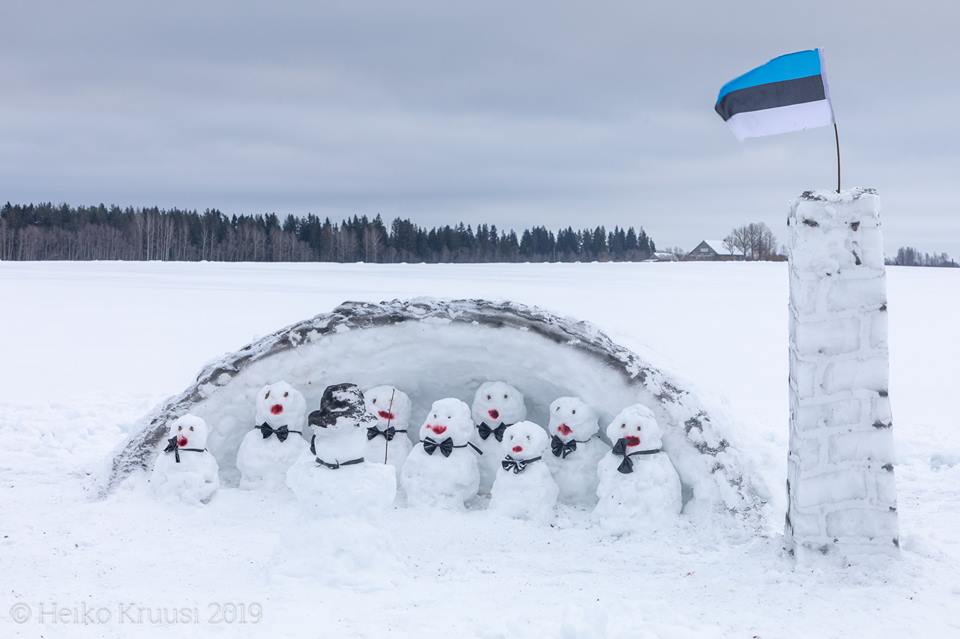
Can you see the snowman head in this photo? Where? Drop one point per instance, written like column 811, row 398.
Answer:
column 571, row 418
column 524, row 440
column 498, row 403
column 638, row 427
column 391, row 406
column 191, row 432
column 281, row 404
column 448, row 417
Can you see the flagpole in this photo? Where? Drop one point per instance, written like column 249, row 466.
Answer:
column 836, row 138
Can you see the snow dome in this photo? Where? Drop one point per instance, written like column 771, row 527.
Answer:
column 432, row 349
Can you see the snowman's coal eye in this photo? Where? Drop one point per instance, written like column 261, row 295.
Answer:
column 528, row 437
column 574, row 411
column 623, row 425
column 489, row 398
column 505, row 395
column 557, row 409
column 286, row 393
column 179, row 427
column 191, row 428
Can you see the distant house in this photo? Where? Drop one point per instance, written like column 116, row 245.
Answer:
column 712, row 251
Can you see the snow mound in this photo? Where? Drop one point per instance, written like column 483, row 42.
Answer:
column 446, row 348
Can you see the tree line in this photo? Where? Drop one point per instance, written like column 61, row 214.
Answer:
column 909, row 256
column 63, row 232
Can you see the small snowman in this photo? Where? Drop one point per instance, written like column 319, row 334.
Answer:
column 387, row 440
column 496, row 405
column 333, row 477
column 441, row 471
column 276, row 440
column 186, row 470
column 524, row 487
column 575, row 450
column 638, row 483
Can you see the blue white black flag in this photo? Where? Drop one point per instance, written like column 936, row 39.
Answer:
column 788, row 93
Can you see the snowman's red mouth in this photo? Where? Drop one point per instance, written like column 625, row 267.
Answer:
column 493, row 413
column 632, row 440
column 276, row 409
column 181, row 441
column 385, row 414
column 517, row 449
column 439, row 430
column 564, row 430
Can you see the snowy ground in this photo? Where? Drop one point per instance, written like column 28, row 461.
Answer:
column 87, row 348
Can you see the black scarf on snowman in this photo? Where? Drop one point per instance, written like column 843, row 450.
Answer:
column 172, row 447
column 281, row 433
column 339, row 401
column 445, row 446
column 485, row 431
column 516, row 465
column 620, row 449
column 562, row 449
column 387, row 433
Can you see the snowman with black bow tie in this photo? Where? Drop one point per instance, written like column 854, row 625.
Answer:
column 441, row 471
column 638, row 483
column 276, row 439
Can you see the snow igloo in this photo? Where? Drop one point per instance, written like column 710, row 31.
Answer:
column 447, row 348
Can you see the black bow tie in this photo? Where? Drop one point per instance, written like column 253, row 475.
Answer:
column 626, row 466
column 446, row 446
column 337, row 464
column 484, row 431
column 282, row 433
column 388, row 433
column 173, row 448
column 560, row 448
column 516, row 465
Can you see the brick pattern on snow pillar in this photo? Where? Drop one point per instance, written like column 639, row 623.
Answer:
column 840, row 480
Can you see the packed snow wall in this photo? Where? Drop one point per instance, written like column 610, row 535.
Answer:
column 840, row 479
column 433, row 349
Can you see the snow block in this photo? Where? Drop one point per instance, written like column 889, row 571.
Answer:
column 841, row 489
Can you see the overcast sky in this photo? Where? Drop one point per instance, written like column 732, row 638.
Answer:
column 514, row 113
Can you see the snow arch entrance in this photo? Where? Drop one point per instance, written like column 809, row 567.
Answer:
column 434, row 349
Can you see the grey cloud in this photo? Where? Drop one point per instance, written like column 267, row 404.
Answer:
column 515, row 113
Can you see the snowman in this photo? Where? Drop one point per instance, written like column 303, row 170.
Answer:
column 496, row 405
column 575, row 450
column 387, row 440
column 524, row 487
column 276, row 440
column 332, row 477
column 186, row 470
column 441, row 471
column 638, row 483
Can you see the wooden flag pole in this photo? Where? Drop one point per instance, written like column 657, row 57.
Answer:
column 836, row 138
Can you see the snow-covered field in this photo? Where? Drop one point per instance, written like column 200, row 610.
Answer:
column 87, row 348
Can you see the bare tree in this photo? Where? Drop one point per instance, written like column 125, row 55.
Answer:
column 738, row 241
column 754, row 241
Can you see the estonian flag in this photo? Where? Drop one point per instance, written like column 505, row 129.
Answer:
column 788, row 93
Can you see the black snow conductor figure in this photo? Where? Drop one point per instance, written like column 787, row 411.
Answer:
column 340, row 402
column 336, row 478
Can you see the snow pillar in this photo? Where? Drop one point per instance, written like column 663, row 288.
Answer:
column 840, row 483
